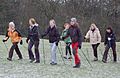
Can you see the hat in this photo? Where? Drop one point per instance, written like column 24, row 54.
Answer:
column 74, row 19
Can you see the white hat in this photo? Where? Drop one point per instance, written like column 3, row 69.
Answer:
column 74, row 19
column 12, row 24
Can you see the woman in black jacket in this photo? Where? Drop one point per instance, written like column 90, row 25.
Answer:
column 110, row 42
column 33, row 39
column 54, row 37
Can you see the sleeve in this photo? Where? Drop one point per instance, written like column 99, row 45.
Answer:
column 106, row 40
column 87, row 36
column 46, row 32
column 79, row 37
column 99, row 37
column 57, row 35
column 19, row 34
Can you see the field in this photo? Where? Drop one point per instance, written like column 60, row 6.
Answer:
column 24, row 69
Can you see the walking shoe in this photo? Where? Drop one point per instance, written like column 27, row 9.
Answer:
column 104, row 61
column 20, row 58
column 52, row 63
column 70, row 57
column 77, row 66
column 37, row 61
column 95, row 59
column 32, row 60
column 65, row 57
column 9, row 59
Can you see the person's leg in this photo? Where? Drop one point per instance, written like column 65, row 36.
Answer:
column 30, row 45
column 69, row 49
column 18, row 51
column 75, row 53
column 105, row 54
column 11, row 52
column 53, row 53
column 94, row 46
column 114, row 53
column 37, row 51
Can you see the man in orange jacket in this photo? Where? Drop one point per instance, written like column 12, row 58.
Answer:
column 15, row 37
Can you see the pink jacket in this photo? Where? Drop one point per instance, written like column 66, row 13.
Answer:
column 94, row 37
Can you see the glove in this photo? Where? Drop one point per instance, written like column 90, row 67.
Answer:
column 21, row 42
column 42, row 36
column 4, row 40
column 63, row 38
column 56, row 43
column 27, row 40
column 79, row 46
column 84, row 37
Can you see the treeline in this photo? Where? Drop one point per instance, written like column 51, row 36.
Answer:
column 102, row 12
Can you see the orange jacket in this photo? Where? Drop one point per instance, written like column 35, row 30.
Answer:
column 15, row 36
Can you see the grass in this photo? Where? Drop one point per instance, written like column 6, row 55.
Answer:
column 24, row 69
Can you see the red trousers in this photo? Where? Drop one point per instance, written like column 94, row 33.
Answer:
column 75, row 53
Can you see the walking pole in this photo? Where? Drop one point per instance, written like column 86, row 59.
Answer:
column 5, row 46
column 61, row 55
column 43, row 51
column 86, row 58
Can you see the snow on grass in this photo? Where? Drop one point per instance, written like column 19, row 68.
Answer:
column 24, row 69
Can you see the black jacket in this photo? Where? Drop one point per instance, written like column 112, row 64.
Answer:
column 53, row 34
column 75, row 34
column 33, row 33
column 111, row 42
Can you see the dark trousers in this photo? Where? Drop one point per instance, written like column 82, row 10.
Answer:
column 68, row 49
column 31, row 55
column 15, row 47
column 107, row 50
column 95, row 46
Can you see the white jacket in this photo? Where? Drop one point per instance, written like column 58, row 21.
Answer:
column 94, row 37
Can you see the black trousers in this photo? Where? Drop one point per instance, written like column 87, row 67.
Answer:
column 107, row 50
column 15, row 47
column 31, row 55
column 68, row 49
column 95, row 46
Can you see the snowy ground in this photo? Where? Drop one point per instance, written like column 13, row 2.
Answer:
column 24, row 69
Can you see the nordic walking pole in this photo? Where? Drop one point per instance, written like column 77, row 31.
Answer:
column 43, row 51
column 5, row 46
column 61, row 55
column 86, row 58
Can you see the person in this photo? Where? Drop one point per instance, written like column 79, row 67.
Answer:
column 54, row 37
column 95, row 39
column 16, row 38
column 76, row 38
column 110, row 42
column 67, row 40
column 33, row 40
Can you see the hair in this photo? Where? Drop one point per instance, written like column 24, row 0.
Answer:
column 12, row 23
column 32, row 20
column 93, row 24
column 110, row 28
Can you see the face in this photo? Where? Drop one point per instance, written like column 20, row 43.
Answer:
column 30, row 23
column 67, row 26
column 11, row 28
column 52, row 23
column 72, row 23
column 92, row 27
column 108, row 30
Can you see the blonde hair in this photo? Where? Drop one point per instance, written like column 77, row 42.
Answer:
column 32, row 20
column 94, row 25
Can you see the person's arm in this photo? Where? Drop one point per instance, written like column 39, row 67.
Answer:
column 106, row 39
column 46, row 32
column 79, row 38
column 99, row 36
column 87, row 36
column 6, row 37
